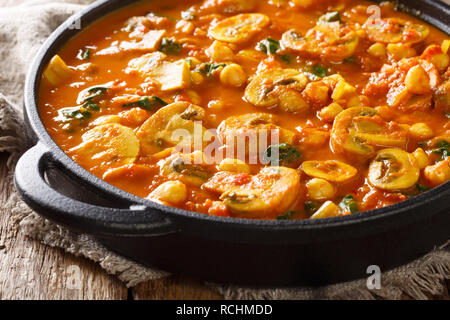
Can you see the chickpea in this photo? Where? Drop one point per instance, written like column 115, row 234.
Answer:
column 197, row 78
column 219, row 51
column 441, row 61
column 233, row 75
column 328, row 210
column 399, row 51
column 174, row 192
column 342, row 90
column 234, row 165
column 320, row 189
column 417, row 80
column 438, row 173
column 377, row 50
column 330, row 112
column 421, row 157
column 421, row 131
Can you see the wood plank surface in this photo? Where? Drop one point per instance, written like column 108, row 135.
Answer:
column 173, row 288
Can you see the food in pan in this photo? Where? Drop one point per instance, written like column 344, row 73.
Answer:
column 256, row 109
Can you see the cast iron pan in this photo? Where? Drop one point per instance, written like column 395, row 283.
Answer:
column 246, row 252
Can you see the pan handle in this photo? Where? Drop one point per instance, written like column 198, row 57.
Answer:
column 137, row 220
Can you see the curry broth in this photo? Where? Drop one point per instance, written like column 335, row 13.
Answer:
column 141, row 181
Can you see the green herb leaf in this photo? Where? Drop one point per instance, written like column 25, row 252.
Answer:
column 311, row 207
column 170, row 47
column 268, row 46
column 421, row 188
column 92, row 93
column 443, row 150
column 285, row 58
column 209, row 68
column 288, row 215
column 146, row 103
column 422, row 144
column 282, row 153
column 84, row 54
column 348, row 204
column 66, row 115
column 351, row 60
column 447, row 114
column 320, row 71
column 334, row 16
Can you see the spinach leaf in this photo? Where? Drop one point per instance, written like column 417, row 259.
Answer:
column 443, row 150
column 311, row 207
column 285, row 58
column 209, row 68
column 348, row 204
column 170, row 47
column 421, row 188
column 268, row 46
column 320, row 71
column 288, row 215
column 84, row 54
column 334, row 16
column 66, row 115
column 351, row 60
column 92, row 93
column 284, row 152
column 146, row 103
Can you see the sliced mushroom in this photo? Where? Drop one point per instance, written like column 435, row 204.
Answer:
column 268, row 194
column 239, row 28
column 191, row 169
column 393, row 170
column 395, row 30
column 147, row 42
column 160, row 129
column 110, row 144
column 278, row 87
column 331, row 170
column 329, row 41
column 254, row 126
column 358, row 131
column 170, row 75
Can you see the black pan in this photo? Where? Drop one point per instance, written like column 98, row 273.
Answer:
column 239, row 251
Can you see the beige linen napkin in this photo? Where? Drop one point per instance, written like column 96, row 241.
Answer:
column 24, row 25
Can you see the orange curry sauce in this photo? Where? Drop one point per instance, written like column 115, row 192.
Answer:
column 370, row 92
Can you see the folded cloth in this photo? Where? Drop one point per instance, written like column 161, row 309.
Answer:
column 23, row 28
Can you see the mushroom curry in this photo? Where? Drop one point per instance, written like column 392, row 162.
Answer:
column 340, row 106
